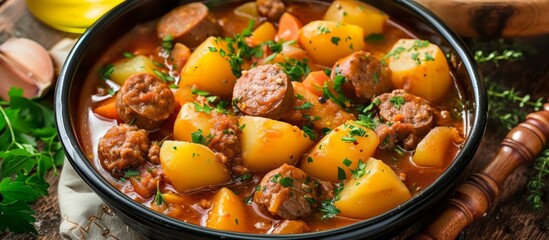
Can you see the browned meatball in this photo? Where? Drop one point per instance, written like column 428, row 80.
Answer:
column 404, row 116
column 264, row 91
column 189, row 24
column 123, row 147
column 271, row 9
column 365, row 76
column 144, row 101
column 287, row 192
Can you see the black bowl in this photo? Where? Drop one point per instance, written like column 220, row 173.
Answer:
column 152, row 224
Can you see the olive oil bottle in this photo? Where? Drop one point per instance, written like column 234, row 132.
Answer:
column 70, row 15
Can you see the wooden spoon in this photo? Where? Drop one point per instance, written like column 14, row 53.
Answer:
column 474, row 197
column 492, row 18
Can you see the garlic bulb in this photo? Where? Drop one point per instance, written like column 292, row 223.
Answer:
column 25, row 64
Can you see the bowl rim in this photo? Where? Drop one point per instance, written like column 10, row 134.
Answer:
column 372, row 226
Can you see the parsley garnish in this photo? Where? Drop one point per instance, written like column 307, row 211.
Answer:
column 309, row 132
column 239, row 51
column 158, row 198
column 200, row 92
column 202, row 108
column 375, row 37
column 348, row 139
column 163, row 76
column 105, row 72
column 323, row 29
column 167, row 43
column 296, row 69
column 397, row 101
column 347, row 162
column 29, row 148
column 428, row 57
column 339, row 99
column 286, row 181
column 341, row 176
column 335, row 40
column 360, row 170
column 128, row 55
column 244, row 177
column 305, row 106
column 131, row 173
column 197, row 137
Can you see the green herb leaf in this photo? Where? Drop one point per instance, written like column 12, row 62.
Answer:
column 397, row 101
column 286, row 181
column 374, row 38
column 335, row 40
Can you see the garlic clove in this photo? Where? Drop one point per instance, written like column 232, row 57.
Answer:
column 11, row 76
column 26, row 64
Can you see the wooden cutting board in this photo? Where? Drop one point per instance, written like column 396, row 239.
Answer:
column 493, row 18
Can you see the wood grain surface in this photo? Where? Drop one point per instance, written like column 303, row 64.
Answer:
column 493, row 18
column 510, row 218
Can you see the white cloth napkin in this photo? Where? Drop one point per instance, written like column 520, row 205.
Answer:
column 84, row 215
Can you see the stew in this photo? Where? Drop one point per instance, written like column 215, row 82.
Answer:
column 272, row 117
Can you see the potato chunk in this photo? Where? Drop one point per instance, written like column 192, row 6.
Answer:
column 433, row 149
column 361, row 14
column 328, row 41
column 227, row 212
column 340, row 151
column 124, row 68
column 376, row 190
column 267, row 144
column 189, row 120
column 198, row 70
column 420, row 68
column 190, row 166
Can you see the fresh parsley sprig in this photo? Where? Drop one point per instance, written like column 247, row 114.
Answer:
column 29, row 148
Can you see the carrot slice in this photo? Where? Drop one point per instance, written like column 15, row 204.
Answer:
column 107, row 109
column 288, row 27
column 314, row 82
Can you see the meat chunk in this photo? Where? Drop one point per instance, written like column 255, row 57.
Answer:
column 264, row 91
column 146, row 182
column 123, row 147
column 154, row 153
column 224, row 139
column 145, row 101
column 272, row 9
column 365, row 76
column 189, row 24
column 287, row 192
column 404, row 117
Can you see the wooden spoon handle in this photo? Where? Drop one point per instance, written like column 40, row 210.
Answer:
column 475, row 196
column 493, row 18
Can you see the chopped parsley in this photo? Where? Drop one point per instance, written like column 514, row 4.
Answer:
column 305, row 106
column 356, row 131
column 286, row 181
column 158, row 198
column 309, row 159
column 198, row 137
column 309, row 132
column 360, row 170
column 374, row 38
column 299, row 96
column 167, row 43
column 163, row 76
column 131, row 173
column 339, row 98
column 128, row 55
column 239, row 51
column 202, row 108
column 296, row 69
column 418, row 44
column 275, row 178
column 393, row 54
column 323, row 30
column 244, row 177
column 399, row 150
column 397, row 101
column 105, row 72
column 347, row 162
column 348, row 139
column 200, row 92
column 428, row 57
column 415, row 57
column 335, row 40
column 341, row 176
column 328, row 72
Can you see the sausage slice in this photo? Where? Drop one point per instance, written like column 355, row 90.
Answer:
column 123, row 147
column 189, row 24
column 271, row 9
column 287, row 192
column 366, row 76
column 264, row 91
column 405, row 117
column 145, row 101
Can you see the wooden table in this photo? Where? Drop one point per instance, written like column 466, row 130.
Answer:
column 511, row 218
